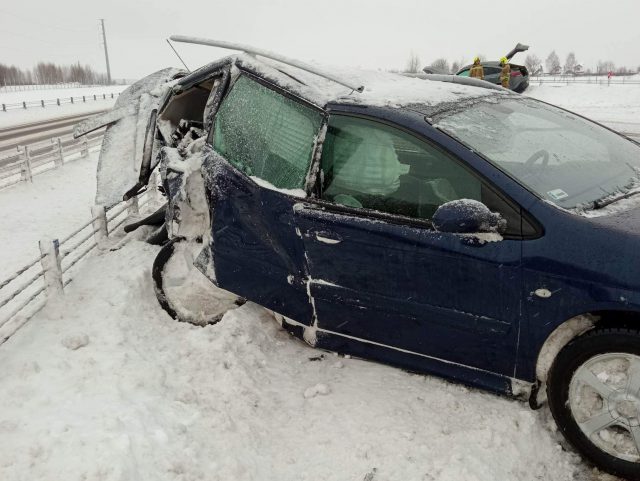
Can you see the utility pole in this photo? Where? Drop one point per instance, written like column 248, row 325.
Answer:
column 106, row 53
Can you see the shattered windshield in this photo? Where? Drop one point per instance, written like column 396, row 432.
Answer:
column 562, row 157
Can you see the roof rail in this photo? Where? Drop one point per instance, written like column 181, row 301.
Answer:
column 265, row 53
column 456, row 79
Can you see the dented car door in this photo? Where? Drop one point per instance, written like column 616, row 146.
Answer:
column 378, row 270
column 262, row 144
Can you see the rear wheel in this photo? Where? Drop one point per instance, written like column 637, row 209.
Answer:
column 594, row 396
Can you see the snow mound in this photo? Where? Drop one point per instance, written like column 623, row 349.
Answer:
column 149, row 398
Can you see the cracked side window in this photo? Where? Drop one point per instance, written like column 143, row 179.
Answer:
column 265, row 134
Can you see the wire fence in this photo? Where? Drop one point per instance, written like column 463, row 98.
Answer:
column 25, row 292
column 59, row 101
column 586, row 79
column 34, row 159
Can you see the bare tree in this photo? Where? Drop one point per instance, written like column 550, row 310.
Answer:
column 533, row 64
column 413, row 64
column 552, row 63
column 441, row 65
column 605, row 66
column 49, row 73
column 455, row 66
column 570, row 63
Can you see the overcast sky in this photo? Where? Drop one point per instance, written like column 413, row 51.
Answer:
column 367, row 33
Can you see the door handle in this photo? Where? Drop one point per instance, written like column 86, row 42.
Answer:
column 327, row 237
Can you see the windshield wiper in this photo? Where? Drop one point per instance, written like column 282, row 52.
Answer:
column 611, row 198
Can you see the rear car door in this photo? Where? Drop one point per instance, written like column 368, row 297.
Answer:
column 263, row 141
column 378, row 270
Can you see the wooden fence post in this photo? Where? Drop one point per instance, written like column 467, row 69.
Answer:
column 24, row 105
column 50, row 261
column 59, row 161
column 25, row 168
column 99, row 215
column 42, row 103
column 85, row 147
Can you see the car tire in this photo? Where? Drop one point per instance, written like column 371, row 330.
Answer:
column 595, row 401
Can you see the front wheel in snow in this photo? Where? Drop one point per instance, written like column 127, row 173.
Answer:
column 594, row 396
column 183, row 291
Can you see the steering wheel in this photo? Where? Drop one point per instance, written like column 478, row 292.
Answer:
column 540, row 154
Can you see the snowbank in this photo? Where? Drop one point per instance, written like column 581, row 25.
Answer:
column 106, row 386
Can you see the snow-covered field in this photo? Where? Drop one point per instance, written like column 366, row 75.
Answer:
column 617, row 106
column 48, row 94
column 35, row 114
column 104, row 386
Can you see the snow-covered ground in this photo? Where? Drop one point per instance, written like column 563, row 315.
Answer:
column 35, row 114
column 104, row 386
column 617, row 106
column 52, row 206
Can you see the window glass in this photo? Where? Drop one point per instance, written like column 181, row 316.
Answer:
column 563, row 158
column 265, row 134
column 492, row 70
column 371, row 165
column 464, row 73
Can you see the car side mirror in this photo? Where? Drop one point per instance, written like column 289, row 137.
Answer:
column 466, row 216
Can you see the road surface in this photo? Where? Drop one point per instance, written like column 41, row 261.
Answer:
column 39, row 133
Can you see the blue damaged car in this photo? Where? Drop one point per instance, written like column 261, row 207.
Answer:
column 442, row 226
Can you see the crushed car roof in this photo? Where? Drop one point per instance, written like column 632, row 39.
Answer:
column 381, row 89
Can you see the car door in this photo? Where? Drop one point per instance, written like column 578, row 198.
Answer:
column 380, row 273
column 256, row 171
column 128, row 136
column 492, row 74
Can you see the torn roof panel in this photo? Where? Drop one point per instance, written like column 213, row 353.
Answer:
column 381, row 89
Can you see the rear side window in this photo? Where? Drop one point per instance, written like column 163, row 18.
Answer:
column 375, row 166
column 265, row 134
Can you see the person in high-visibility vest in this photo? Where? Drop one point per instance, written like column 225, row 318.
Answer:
column 477, row 71
column 505, row 73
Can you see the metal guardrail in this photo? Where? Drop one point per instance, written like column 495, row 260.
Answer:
column 34, row 159
column 59, row 101
column 24, row 293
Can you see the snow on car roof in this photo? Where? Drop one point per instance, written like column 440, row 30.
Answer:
column 381, row 89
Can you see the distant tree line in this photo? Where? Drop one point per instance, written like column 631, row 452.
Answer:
column 50, row 73
column 552, row 65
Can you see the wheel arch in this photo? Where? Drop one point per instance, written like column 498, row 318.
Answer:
column 577, row 326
